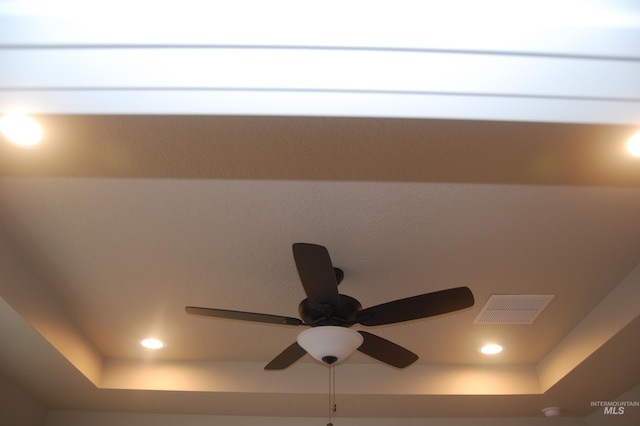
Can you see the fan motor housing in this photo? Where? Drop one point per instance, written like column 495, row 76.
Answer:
column 343, row 315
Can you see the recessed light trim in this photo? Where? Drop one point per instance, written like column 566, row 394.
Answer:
column 491, row 349
column 152, row 343
column 633, row 145
column 21, row 130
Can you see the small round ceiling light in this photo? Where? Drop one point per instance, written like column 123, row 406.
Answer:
column 21, row 129
column 152, row 344
column 491, row 349
column 633, row 146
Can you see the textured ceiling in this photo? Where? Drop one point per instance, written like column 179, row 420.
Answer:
column 324, row 148
column 119, row 222
column 178, row 168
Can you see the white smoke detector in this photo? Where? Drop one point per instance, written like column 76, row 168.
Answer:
column 551, row 411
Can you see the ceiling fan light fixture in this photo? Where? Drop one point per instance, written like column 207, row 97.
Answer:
column 330, row 344
column 330, row 314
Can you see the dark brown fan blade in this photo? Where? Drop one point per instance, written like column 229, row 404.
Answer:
column 386, row 351
column 422, row 306
column 243, row 316
column 317, row 275
column 286, row 357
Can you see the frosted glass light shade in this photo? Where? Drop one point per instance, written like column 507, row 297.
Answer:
column 328, row 342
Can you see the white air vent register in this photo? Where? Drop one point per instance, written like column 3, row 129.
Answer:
column 512, row 308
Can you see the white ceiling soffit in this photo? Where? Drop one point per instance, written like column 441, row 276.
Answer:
column 494, row 60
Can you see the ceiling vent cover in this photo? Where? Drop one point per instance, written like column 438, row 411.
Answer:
column 512, row 308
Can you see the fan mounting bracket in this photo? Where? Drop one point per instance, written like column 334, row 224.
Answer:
column 339, row 275
column 343, row 315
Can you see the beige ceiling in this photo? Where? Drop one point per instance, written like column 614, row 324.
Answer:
column 116, row 223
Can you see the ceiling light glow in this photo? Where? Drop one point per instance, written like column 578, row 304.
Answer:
column 152, row 343
column 21, row 129
column 491, row 349
column 633, row 146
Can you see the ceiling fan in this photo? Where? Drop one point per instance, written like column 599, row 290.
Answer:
column 325, row 307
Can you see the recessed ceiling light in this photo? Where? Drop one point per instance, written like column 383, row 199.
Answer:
column 21, row 129
column 152, row 343
column 491, row 349
column 633, row 146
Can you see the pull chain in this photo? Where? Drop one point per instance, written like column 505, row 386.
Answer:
column 334, row 407
column 332, row 393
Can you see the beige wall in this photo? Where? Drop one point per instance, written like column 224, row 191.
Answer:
column 631, row 416
column 77, row 418
column 19, row 408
